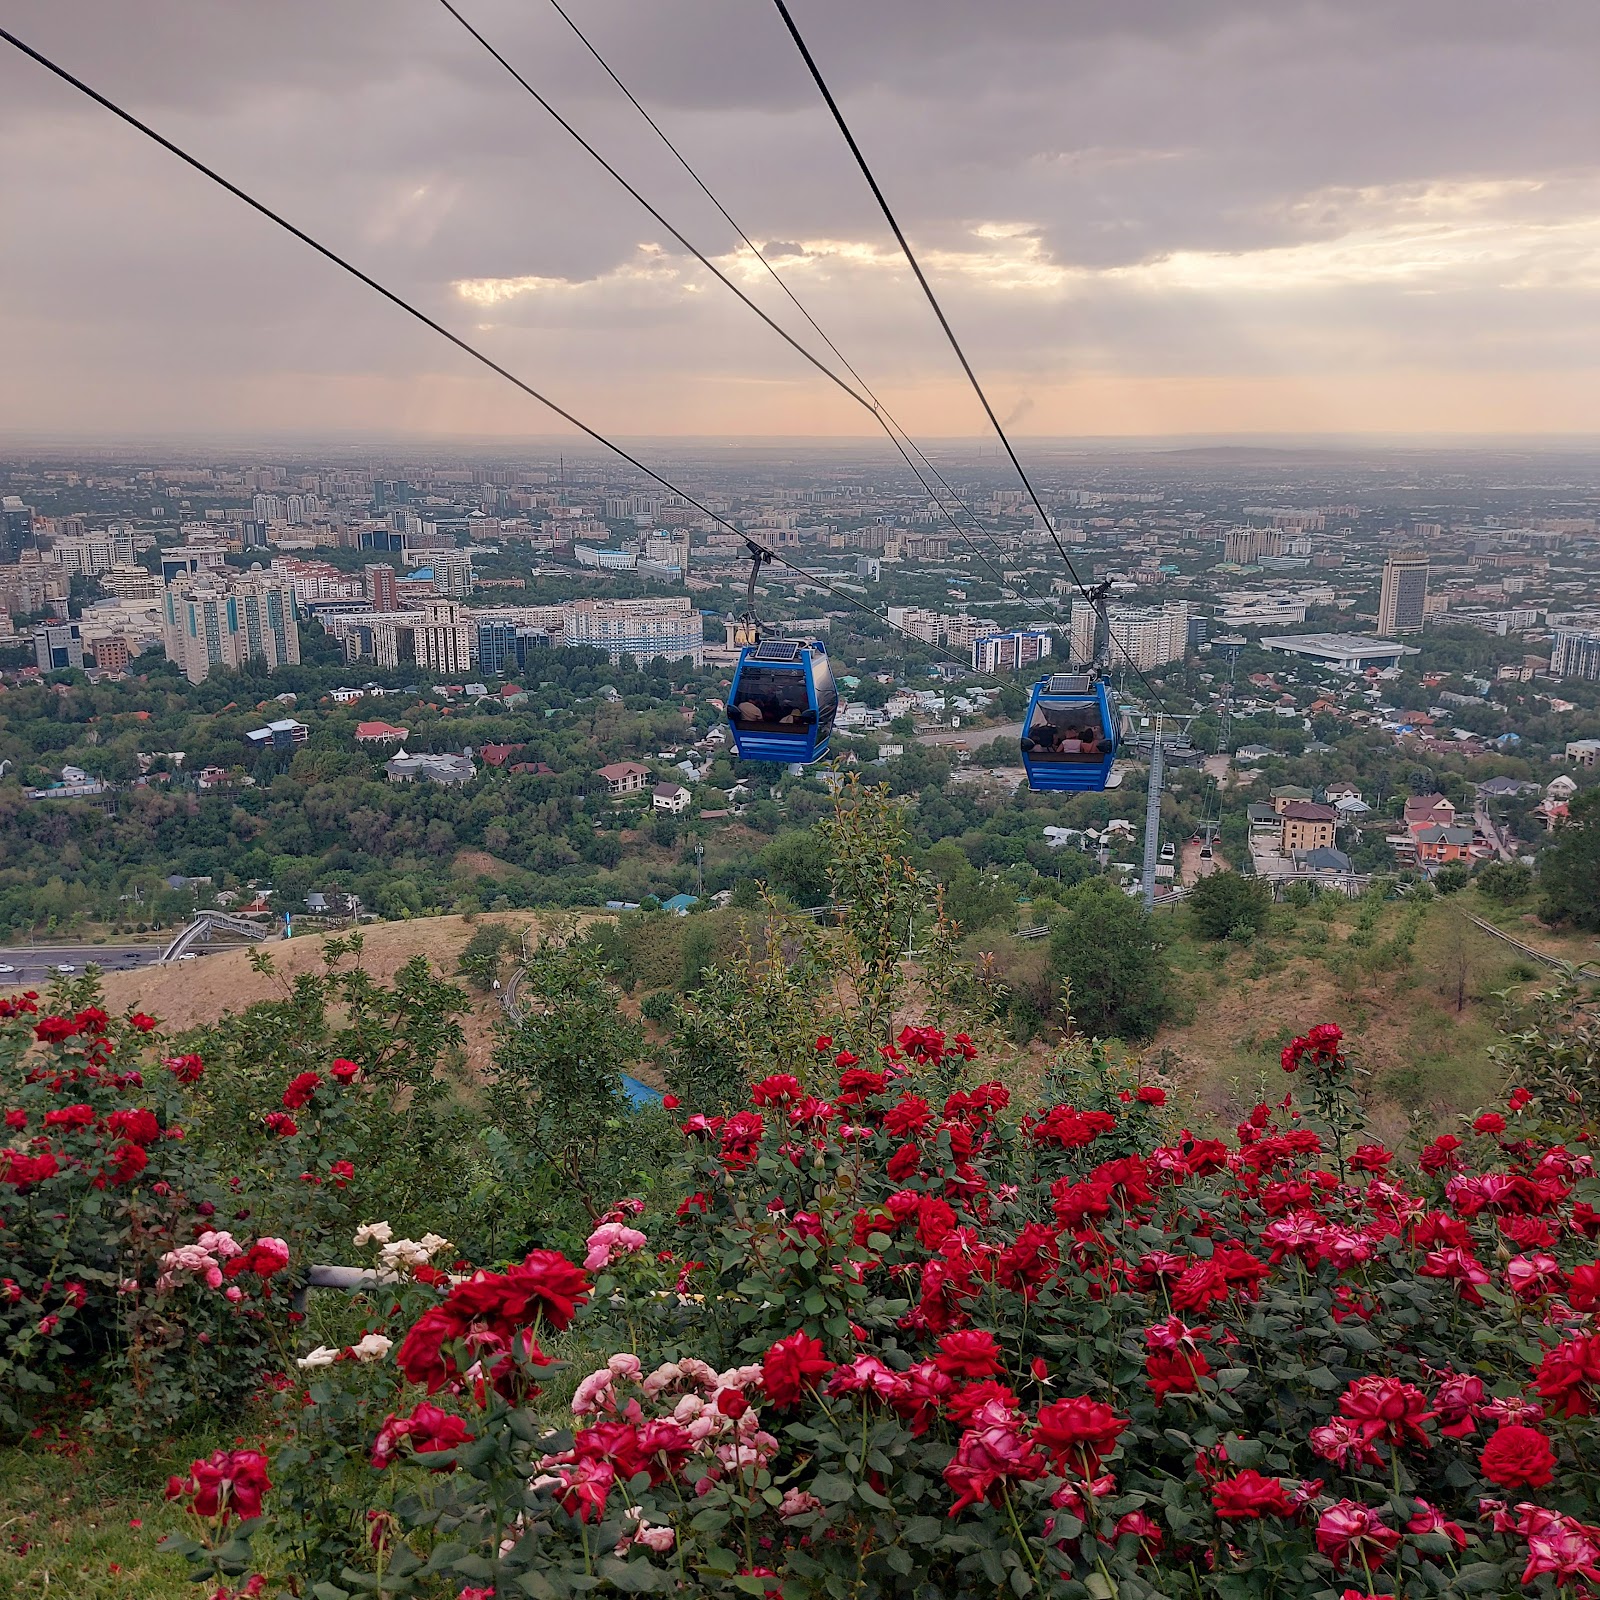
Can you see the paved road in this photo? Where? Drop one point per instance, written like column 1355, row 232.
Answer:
column 37, row 962
column 1487, row 826
column 972, row 737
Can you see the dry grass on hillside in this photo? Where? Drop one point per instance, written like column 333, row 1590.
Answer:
column 1428, row 1059
column 184, row 995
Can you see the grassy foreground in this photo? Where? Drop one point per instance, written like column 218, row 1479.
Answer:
column 83, row 1521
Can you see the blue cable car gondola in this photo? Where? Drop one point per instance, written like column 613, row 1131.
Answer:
column 783, row 702
column 1069, row 737
column 1073, row 725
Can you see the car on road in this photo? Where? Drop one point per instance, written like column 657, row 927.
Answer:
column 64, row 968
column 6, row 967
column 188, row 955
column 1168, row 852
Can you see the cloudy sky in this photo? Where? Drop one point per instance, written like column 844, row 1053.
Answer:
column 1145, row 217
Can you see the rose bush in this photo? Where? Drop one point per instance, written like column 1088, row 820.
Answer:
column 898, row 1339
column 140, row 1283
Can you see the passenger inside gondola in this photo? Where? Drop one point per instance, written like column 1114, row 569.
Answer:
column 1060, row 734
column 772, row 699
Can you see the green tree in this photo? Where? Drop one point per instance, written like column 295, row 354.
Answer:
column 796, row 865
column 1569, row 871
column 1225, row 901
column 555, row 1086
column 1104, row 948
column 1452, row 877
column 484, row 955
column 1505, row 881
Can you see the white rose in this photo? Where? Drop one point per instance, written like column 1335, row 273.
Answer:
column 433, row 1243
column 322, row 1356
column 374, row 1233
column 403, row 1253
column 371, row 1347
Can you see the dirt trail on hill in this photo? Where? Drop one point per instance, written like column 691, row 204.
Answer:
column 188, row 993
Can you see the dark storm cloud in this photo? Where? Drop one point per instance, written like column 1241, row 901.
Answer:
column 1147, row 192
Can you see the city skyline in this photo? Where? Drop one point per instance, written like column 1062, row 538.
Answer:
column 1146, row 225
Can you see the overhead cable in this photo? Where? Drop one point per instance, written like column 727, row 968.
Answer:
column 867, row 400
column 885, row 415
column 439, row 328
column 938, row 311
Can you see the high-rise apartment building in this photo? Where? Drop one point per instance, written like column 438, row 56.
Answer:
column 266, row 508
column 16, row 529
column 1575, row 652
column 1403, row 599
column 90, row 554
column 216, row 620
column 381, row 590
column 1246, row 546
column 642, row 629
column 444, row 640
column 1143, row 636
column 497, row 647
column 993, row 653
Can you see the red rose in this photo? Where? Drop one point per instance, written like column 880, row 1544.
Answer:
column 54, row 1030
column 1249, row 1496
column 228, row 1481
column 1078, row 1432
column 1568, row 1378
column 903, row 1163
column 969, row 1353
column 1490, row 1122
column 791, row 1366
column 1518, row 1458
column 1151, row 1095
column 140, row 1125
column 1348, row 1531
column 300, row 1090
column 186, row 1069
column 343, row 1071
column 281, row 1123
column 128, row 1161
column 140, row 1021
column 1583, row 1289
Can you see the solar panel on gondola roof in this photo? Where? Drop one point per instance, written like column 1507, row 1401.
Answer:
column 777, row 650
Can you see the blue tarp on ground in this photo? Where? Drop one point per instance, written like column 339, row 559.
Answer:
column 640, row 1094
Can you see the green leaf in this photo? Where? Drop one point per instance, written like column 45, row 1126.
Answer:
column 631, row 1577
column 922, row 1530
column 1482, row 1577
column 833, row 1487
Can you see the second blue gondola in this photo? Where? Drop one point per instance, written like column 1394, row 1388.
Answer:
column 783, row 701
column 1069, row 736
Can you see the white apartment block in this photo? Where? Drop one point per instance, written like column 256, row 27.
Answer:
column 212, row 620
column 445, row 639
column 959, row 632
column 90, row 554
column 644, row 629
column 1146, row 636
